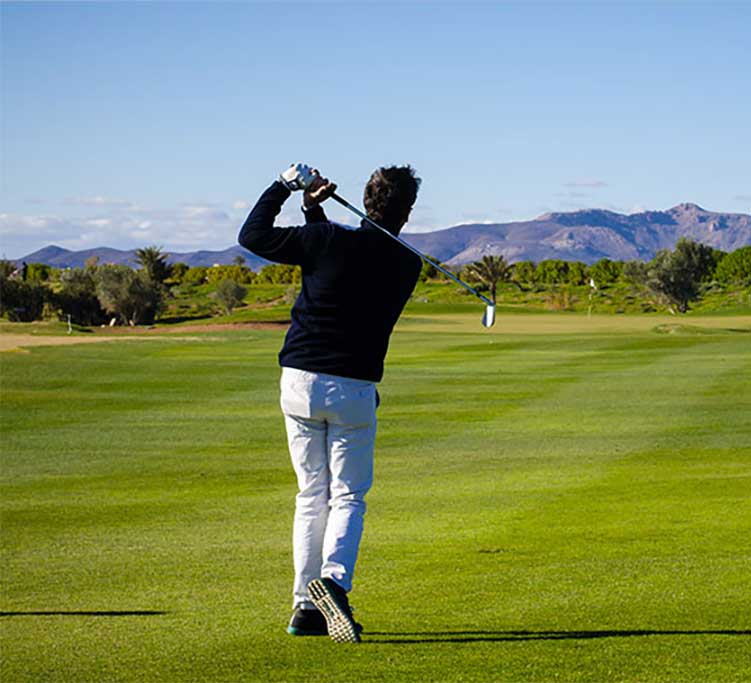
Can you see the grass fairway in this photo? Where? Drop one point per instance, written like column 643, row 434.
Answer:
column 561, row 499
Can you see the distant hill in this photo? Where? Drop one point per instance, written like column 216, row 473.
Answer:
column 586, row 235
column 65, row 258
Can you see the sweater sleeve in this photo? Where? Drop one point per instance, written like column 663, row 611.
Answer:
column 296, row 245
column 315, row 214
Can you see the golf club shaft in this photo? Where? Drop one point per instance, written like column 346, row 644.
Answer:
column 435, row 265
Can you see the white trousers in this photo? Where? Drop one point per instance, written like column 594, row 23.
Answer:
column 331, row 427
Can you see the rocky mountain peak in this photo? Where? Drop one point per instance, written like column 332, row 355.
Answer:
column 687, row 208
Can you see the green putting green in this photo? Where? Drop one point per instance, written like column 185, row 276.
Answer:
column 558, row 499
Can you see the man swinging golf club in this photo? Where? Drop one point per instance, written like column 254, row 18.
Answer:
column 355, row 284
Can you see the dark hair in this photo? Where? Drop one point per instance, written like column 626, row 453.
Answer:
column 390, row 194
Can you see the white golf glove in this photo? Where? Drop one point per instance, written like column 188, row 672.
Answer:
column 297, row 177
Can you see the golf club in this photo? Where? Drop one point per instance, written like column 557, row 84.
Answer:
column 488, row 318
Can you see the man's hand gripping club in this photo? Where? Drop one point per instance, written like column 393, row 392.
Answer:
column 316, row 188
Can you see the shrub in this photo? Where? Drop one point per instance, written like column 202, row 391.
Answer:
column 735, row 267
column 559, row 300
column 7, row 268
column 22, row 301
column 230, row 294
column 291, row 294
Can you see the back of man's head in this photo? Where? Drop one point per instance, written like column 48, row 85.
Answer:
column 390, row 194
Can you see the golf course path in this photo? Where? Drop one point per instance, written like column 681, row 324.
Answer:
column 15, row 342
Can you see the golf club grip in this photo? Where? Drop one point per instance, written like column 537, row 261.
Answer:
column 435, row 265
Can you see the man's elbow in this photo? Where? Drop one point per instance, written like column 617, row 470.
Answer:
column 248, row 238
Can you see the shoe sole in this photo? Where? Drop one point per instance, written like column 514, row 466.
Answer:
column 293, row 631
column 342, row 628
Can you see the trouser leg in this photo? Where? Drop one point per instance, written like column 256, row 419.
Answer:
column 350, row 443
column 307, row 445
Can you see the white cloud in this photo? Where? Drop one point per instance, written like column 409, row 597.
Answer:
column 182, row 228
column 240, row 205
column 586, row 182
column 101, row 202
column 202, row 212
column 11, row 224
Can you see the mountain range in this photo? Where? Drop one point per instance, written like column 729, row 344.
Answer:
column 587, row 235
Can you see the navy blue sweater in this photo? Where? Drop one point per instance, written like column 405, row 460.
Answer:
column 355, row 284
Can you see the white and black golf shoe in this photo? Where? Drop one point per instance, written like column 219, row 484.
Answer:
column 331, row 599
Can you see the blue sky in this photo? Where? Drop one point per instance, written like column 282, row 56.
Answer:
column 126, row 124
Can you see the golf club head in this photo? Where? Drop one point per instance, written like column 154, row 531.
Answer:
column 488, row 319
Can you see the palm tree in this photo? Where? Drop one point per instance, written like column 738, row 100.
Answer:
column 490, row 271
column 154, row 262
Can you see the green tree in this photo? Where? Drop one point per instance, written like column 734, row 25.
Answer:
column 605, row 271
column 154, row 263
column 674, row 277
column 130, row 295
column 735, row 267
column 490, row 271
column 230, row 294
column 177, row 271
column 239, row 260
column 195, row 276
column 578, row 273
column 237, row 273
column 524, row 271
column 551, row 272
column 635, row 272
column 22, row 301
column 279, row 274
column 77, row 297
column 39, row 272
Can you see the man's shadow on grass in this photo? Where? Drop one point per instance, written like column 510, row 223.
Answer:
column 399, row 638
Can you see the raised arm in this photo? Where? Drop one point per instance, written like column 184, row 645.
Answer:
column 258, row 234
column 286, row 245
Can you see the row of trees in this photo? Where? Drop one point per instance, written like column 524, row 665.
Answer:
column 96, row 293
column 90, row 295
column 154, row 262
column 674, row 277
